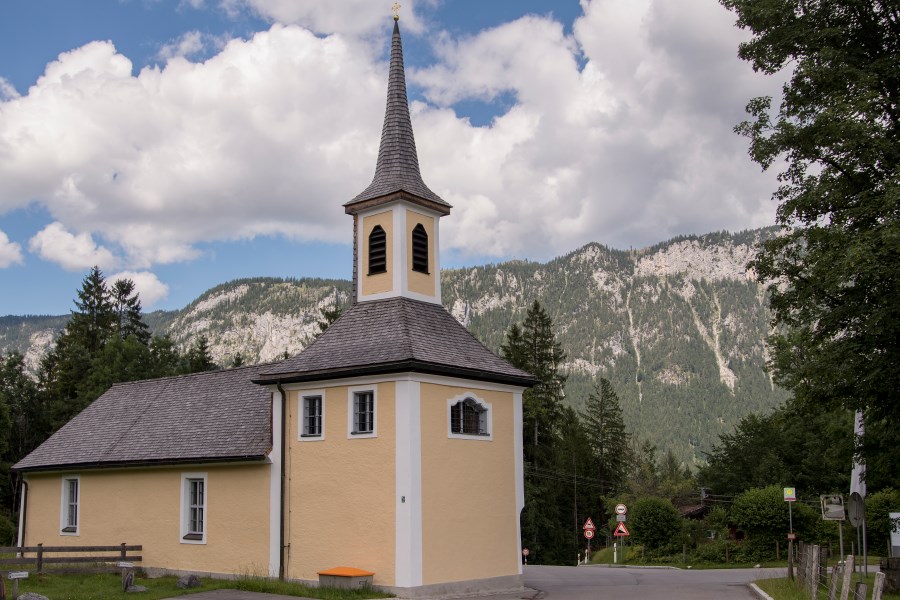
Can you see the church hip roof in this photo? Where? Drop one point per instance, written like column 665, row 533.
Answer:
column 397, row 168
column 392, row 336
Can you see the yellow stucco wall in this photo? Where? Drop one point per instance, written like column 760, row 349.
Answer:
column 381, row 282
column 468, row 515
column 143, row 506
column 341, row 491
column 420, row 283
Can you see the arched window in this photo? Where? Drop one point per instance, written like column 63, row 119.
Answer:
column 377, row 251
column 468, row 417
column 419, row 249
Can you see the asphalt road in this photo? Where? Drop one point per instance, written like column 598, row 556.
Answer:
column 597, row 583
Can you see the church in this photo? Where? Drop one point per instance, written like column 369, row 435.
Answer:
column 391, row 444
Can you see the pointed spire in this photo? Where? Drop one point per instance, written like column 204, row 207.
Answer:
column 397, row 169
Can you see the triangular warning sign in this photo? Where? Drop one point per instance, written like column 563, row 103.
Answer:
column 620, row 530
column 589, row 524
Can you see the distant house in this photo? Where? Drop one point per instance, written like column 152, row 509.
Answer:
column 393, row 443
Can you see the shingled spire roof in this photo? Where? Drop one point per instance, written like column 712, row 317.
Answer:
column 397, row 169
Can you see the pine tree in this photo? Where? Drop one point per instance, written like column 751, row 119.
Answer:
column 127, row 309
column 199, row 358
column 94, row 321
column 605, row 429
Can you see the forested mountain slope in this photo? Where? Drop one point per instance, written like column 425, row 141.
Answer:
column 678, row 328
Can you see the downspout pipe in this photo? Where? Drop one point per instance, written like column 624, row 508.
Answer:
column 281, row 546
column 23, row 511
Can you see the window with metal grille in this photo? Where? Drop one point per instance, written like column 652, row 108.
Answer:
column 419, row 249
column 196, row 504
column 377, row 251
column 312, row 416
column 70, row 493
column 468, row 417
column 363, row 412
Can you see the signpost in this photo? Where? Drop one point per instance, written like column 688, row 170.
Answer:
column 790, row 496
column 15, row 576
column 856, row 511
column 525, row 554
column 833, row 510
column 589, row 529
column 621, row 531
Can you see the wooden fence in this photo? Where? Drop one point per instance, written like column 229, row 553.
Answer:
column 37, row 557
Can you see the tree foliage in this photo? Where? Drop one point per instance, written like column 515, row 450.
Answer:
column 606, row 435
column 655, row 523
column 834, row 274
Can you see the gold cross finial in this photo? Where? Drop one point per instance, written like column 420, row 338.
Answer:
column 396, row 11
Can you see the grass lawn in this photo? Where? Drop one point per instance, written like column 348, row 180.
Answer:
column 632, row 556
column 107, row 587
column 783, row 589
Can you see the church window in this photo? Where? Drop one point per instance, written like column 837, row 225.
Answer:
column 363, row 404
column 377, row 251
column 193, row 508
column 311, row 426
column 69, row 514
column 469, row 417
column 419, row 249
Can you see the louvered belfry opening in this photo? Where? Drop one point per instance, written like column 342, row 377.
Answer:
column 377, row 251
column 419, row 249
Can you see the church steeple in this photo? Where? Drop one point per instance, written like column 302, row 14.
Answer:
column 395, row 219
column 397, row 169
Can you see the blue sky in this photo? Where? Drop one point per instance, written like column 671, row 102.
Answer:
column 184, row 144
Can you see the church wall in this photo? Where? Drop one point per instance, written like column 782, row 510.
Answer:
column 421, row 283
column 143, row 506
column 382, row 282
column 341, row 488
column 469, row 491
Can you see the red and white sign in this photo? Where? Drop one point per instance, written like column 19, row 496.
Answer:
column 589, row 525
column 588, row 533
column 792, row 536
column 524, row 551
column 621, row 531
column 621, row 509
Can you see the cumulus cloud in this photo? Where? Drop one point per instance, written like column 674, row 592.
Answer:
column 10, row 252
column 7, row 90
column 619, row 132
column 352, row 17
column 70, row 251
column 189, row 44
column 147, row 284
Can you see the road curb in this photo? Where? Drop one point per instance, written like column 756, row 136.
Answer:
column 757, row 591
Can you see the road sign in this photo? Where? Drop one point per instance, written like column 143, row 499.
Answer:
column 588, row 533
column 790, row 494
column 620, row 518
column 621, row 509
column 832, row 507
column 621, row 531
column 856, row 509
column 524, row 551
column 589, row 525
column 18, row 575
column 792, row 536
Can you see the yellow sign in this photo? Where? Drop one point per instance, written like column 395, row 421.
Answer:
column 790, row 494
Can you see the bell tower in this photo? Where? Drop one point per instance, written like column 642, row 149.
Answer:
column 395, row 219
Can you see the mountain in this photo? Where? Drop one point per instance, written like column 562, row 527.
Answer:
column 679, row 328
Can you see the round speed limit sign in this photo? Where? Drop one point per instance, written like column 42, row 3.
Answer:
column 588, row 533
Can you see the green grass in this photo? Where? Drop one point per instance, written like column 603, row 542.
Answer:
column 632, row 556
column 108, row 587
column 784, row 589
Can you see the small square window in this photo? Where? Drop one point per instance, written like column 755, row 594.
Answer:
column 312, row 416
column 361, row 412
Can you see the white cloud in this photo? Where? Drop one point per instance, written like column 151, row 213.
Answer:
column 353, row 17
column 10, row 252
column 72, row 252
column 7, row 90
column 620, row 132
column 191, row 43
column 147, row 284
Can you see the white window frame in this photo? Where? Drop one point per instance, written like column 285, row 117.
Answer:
column 302, row 435
column 351, row 412
column 186, row 479
column 64, row 505
column 488, row 417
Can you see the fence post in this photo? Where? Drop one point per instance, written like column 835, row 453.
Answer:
column 777, row 551
column 812, row 581
column 122, row 552
column 40, row 558
column 833, row 584
column 848, row 575
column 878, row 588
column 801, row 567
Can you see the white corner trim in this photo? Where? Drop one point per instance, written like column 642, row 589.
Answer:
column 301, row 415
column 489, row 418
column 20, row 538
column 408, row 501
column 520, row 472
column 64, row 505
column 185, row 507
column 275, row 486
column 350, row 393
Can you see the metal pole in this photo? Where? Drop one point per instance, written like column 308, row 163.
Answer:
column 865, row 546
column 841, row 532
column 858, row 547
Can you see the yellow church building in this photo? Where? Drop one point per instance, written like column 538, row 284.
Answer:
column 393, row 443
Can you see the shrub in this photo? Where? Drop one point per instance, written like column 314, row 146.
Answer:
column 656, row 524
